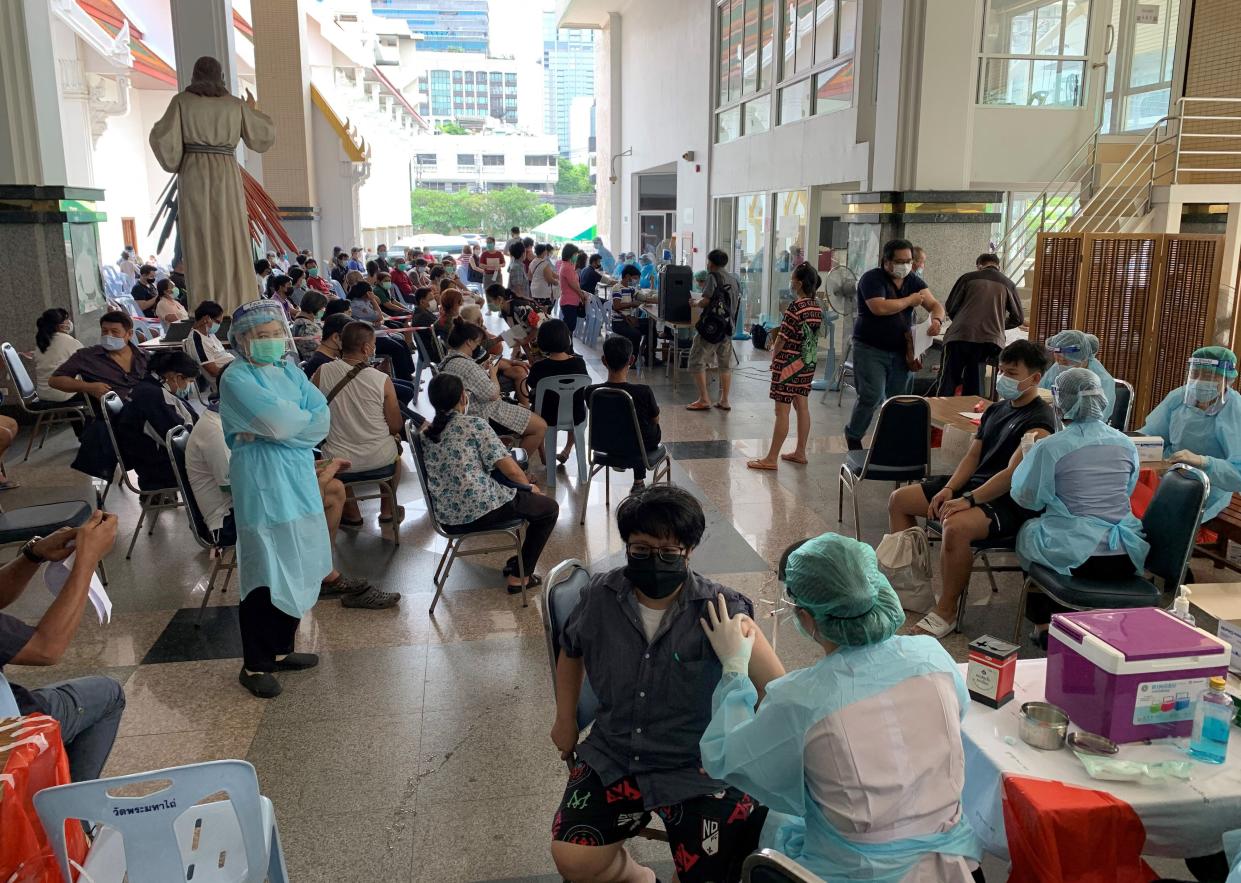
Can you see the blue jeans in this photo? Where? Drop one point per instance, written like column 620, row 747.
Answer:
column 877, row 374
column 89, row 713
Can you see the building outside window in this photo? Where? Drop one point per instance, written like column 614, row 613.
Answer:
column 745, row 39
column 1139, row 67
column 426, row 159
column 1034, row 53
column 788, row 247
column 493, row 159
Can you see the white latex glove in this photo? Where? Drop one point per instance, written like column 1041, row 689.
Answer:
column 730, row 637
column 1189, row 458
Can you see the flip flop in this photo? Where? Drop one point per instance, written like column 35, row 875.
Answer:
column 761, row 466
column 790, row 458
column 723, row 407
column 698, row 407
column 934, row 625
column 400, row 516
column 344, row 522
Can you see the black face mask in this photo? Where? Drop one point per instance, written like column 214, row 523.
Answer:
column 655, row 577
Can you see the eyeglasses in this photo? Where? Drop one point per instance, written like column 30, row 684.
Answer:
column 667, row 554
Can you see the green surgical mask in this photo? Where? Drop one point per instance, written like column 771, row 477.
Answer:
column 312, row 271
column 387, row 286
column 267, row 351
column 319, row 315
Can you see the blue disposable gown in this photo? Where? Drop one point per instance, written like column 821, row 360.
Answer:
column 1105, row 380
column 1215, row 436
column 1059, row 539
column 282, row 539
column 649, row 277
column 763, row 755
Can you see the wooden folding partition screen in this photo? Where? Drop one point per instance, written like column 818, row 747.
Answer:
column 1149, row 298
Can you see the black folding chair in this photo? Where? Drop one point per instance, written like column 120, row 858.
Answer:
column 900, row 451
column 1171, row 524
column 615, row 442
column 223, row 557
column 515, row 529
column 1122, row 410
column 151, row 502
column 46, row 414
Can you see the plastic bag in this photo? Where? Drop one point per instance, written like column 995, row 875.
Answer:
column 905, row 559
column 1113, row 769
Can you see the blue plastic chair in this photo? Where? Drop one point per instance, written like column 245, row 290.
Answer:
column 166, row 835
column 566, row 388
column 8, row 705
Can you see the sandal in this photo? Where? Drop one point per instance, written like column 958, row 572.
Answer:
column 510, row 570
column 400, row 516
column 723, row 407
column 934, row 625
column 761, row 465
column 371, row 599
column 697, row 407
column 352, row 525
column 794, row 459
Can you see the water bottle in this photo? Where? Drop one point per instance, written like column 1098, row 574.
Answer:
column 1212, row 719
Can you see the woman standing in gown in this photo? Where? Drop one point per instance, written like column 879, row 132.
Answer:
column 795, row 353
column 197, row 139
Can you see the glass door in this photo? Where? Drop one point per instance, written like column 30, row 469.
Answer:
column 1139, row 75
column 655, row 232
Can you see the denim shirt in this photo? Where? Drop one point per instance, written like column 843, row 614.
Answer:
column 654, row 699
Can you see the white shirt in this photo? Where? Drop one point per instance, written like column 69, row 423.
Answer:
column 651, row 618
column 206, row 467
column 359, row 431
column 61, row 347
column 206, row 348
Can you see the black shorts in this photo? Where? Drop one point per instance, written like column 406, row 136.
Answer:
column 1004, row 516
column 709, row 836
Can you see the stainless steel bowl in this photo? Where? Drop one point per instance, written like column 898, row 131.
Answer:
column 1043, row 725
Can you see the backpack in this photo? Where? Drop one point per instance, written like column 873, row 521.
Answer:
column 715, row 325
column 758, row 336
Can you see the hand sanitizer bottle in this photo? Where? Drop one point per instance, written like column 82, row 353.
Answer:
column 1180, row 606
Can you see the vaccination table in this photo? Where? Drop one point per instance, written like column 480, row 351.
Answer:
column 1183, row 819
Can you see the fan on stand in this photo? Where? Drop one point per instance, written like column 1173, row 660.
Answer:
column 840, row 294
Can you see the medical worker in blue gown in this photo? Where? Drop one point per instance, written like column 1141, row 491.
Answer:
column 858, row 757
column 272, row 417
column 1200, row 424
column 1081, row 479
column 1077, row 349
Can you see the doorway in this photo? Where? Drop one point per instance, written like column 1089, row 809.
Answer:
column 1142, row 41
column 657, row 213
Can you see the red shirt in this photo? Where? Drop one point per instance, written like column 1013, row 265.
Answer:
column 497, row 256
column 401, row 281
column 319, row 284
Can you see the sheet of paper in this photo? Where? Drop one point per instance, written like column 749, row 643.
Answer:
column 56, row 574
column 922, row 338
column 971, row 416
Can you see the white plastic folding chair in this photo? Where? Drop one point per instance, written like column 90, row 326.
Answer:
column 566, row 388
column 166, row 835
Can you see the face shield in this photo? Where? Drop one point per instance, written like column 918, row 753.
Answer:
column 260, row 334
column 1070, row 356
column 1206, row 383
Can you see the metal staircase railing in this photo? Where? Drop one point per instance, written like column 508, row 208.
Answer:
column 1076, row 200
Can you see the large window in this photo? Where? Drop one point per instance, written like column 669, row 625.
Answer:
column 788, row 248
column 1139, row 69
column 745, row 30
column 817, row 53
column 1034, row 53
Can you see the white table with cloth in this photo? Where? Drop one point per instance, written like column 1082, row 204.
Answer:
column 1183, row 819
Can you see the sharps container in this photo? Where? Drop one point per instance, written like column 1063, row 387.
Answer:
column 1130, row 674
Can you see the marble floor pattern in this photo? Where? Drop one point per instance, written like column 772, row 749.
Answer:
column 418, row 750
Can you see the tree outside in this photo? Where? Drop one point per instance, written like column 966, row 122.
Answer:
column 573, row 178
column 435, row 211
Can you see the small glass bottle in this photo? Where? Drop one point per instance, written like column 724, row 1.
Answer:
column 1212, row 720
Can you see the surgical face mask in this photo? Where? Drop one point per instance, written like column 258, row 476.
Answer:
column 1008, row 387
column 183, row 393
column 312, row 271
column 654, row 577
column 900, row 271
column 1204, row 391
column 432, row 305
column 215, row 328
column 402, row 266
column 383, row 253
column 267, row 351
column 918, row 272
column 319, row 315
column 67, row 326
column 112, row 344
column 386, row 286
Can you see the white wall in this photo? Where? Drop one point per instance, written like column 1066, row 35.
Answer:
column 75, row 128
column 338, row 210
column 127, row 172
column 665, row 84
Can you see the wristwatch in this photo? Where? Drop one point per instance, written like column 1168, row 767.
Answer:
column 968, row 496
column 30, row 554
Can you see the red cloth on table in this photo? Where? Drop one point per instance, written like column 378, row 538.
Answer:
column 1060, row 833
column 1145, row 492
column 32, row 757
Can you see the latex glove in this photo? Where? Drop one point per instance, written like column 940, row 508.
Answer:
column 729, row 637
column 1189, row 458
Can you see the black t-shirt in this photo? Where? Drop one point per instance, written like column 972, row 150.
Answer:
column 589, row 279
column 884, row 332
column 545, row 368
column 142, row 292
column 1001, row 430
column 644, row 404
column 316, row 361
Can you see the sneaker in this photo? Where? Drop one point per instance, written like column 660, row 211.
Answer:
column 855, row 444
column 262, row 684
column 342, row 585
column 297, row 662
column 371, row 599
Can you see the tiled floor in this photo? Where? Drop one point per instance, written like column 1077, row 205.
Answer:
column 419, row 749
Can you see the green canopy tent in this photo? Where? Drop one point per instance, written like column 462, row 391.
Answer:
column 571, row 225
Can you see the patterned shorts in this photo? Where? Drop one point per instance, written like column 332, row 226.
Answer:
column 709, row 836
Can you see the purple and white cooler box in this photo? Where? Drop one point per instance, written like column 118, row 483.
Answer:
column 1130, row 674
